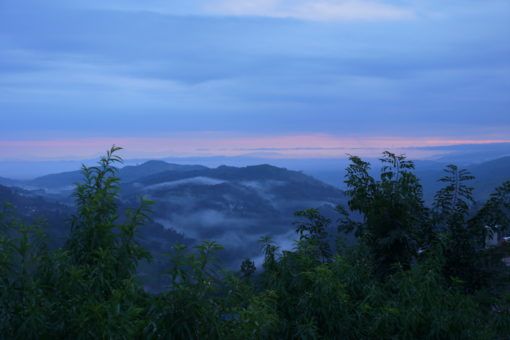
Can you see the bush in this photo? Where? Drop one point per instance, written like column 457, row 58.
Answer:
column 416, row 273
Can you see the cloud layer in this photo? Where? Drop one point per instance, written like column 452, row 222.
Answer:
column 314, row 10
column 409, row 70
column 231, row 145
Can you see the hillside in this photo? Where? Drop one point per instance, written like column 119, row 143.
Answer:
column 65, row 181
column 237, row 205
column 33, row 208
column 488, row 175
column 8, row 182
column 232, row 205
column 54, row 219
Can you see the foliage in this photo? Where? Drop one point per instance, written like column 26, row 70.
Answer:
column 415, row 272
column 453, row 201
column 392, row 210
column 314, row 233
column 248, row 268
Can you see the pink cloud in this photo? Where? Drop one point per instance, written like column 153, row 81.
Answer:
column 216, row 144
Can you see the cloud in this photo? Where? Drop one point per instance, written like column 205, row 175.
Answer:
column 202, row 144
column 313, row 10
column 66, row 71
column 310, row 10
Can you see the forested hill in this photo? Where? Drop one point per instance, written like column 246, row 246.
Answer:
column 130, row 173
column 231, row 205
column 33, row 208
column 414, row 273
column 8, row 182
column 488, row 175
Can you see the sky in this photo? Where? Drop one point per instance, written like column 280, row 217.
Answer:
column 277, row 78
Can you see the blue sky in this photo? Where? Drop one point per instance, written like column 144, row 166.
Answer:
column 225, row 77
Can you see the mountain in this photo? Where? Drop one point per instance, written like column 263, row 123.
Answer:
column 234, row 206
column 34, row 208
column 54, row 218
column 133, row 172
column 488, row 176
column 8, row 182
column 467, row 154
column 63, row 181
column 66, row 181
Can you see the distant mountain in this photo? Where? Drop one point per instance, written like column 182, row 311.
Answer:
column 67, row 180
column 33, row 208
column 247, row 190
column 8, row 182
column 54, row 218
column 246, row 175
column 61, row 181
column 234, row 206
column 488, row 176
column 133, row 172
column 467, row 154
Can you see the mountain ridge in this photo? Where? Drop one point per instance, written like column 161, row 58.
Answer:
column 126, row 174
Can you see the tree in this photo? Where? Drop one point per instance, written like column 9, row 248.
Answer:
column 453, row 201
column 248, row 268
column 89, row 289
column 391, row 209
column 494, row 216
column 313, row 233
column 451, row 207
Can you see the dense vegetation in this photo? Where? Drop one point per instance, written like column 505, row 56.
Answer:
column 416, row 272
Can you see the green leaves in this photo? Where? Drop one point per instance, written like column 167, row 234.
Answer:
column 313, row 233
column 248, row 268
column 495, row 213
column 361, row 187
column 378, row 288
column 87, row 289
column 455, row 198
column 391, row 208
